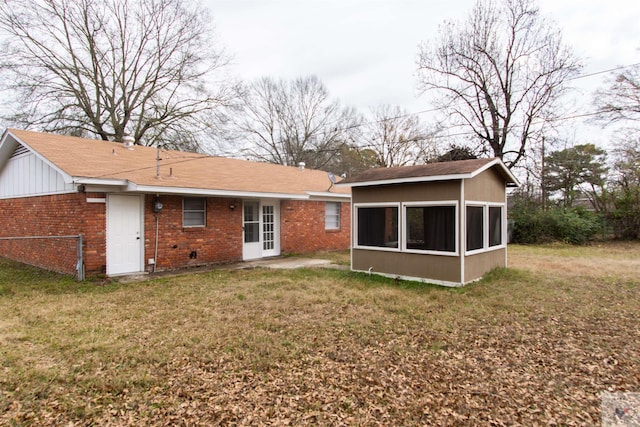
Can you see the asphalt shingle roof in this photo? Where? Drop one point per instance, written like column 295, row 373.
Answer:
column 442, row 170
column 89, row 158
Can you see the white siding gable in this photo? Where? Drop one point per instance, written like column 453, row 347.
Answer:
column 25, row 174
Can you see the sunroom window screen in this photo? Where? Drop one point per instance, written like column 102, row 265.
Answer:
column 495, row 225
column 475, row 227
column 378, row 226
column 431, row 228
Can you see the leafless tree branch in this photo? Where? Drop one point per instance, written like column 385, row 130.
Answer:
column 103, row 68
column 500, row 72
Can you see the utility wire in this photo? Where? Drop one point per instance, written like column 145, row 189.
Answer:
column 440, row 134
column 370, row 145
column 596, row 73
column 370, row 122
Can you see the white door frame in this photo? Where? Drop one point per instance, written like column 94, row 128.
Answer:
column 264, row 220
column 135, row 239
column 270, row 227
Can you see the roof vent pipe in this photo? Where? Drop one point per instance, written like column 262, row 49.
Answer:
column 127, row 141
column 301, row 165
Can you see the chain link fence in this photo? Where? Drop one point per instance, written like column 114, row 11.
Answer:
column 62, row 254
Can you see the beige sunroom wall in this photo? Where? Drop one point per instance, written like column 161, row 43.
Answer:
column 430, row 267
column 488, row 186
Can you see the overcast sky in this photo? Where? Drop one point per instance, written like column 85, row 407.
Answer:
column 365, row 50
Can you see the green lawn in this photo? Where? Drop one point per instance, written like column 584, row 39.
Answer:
column 535, row 344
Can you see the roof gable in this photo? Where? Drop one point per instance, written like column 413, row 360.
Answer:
column 23, row 173
column 110, row 163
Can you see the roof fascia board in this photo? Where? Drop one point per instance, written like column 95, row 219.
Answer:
column 101, row 181
column 495, row 162
column 323, row 195
column 406, row 180
column 212, row 192
column 68, row 179
column 7, row 145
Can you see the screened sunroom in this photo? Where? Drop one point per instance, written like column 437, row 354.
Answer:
column 443, row 223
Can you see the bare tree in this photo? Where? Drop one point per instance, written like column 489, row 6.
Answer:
column 105, row 67
column 621, row 100
column 288, row 122
column 500, row 73
column 397, row 137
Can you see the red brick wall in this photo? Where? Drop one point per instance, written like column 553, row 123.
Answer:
column 302, row 230
column 302, row 227
column 301, row 224
column 220, row 241
column 62, row 214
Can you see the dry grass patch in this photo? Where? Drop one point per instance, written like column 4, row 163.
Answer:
column 534, row 344
column 616, row 260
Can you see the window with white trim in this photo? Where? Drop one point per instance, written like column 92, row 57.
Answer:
column 495, row 226
column 377, row 226
column 194, row 211
column 475, row 227
column 332, row 216
column 430, row 228
column 484, row 226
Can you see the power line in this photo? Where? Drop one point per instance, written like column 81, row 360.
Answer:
column 438, row 135
column 371, row 122
column 596, row 73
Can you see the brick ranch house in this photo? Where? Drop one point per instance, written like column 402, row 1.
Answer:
column 136, row 213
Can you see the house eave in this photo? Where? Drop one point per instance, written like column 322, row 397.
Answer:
column 101, row 181
column 123, row 185
column 405, row 180
column 328, row 196
column 511, row 180
column 6, row 147
column 135, row 188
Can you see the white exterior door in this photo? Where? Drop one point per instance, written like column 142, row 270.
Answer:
column 124, row 234
column 261, row 229
column 270, row 228
column 251, row 247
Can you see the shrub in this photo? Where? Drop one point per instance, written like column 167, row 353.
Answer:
column 531, row 224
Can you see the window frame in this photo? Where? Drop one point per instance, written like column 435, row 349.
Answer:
column 403, row 224
column 483, row 222
column 437, row 203
column 203, row 211
column 356, row 225
column 503, row 224
column 335, row 215
column 486, row 226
